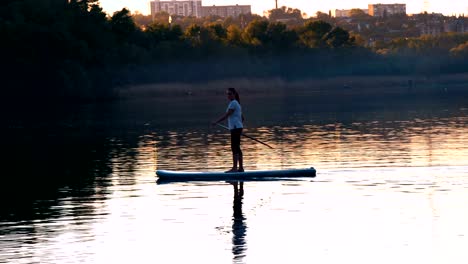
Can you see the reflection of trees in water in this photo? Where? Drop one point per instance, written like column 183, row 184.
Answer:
column 59, row 173
column 60, row 163
column 239, row 228
column 53, row 178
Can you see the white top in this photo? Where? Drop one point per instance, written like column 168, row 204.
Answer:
column 235, row 119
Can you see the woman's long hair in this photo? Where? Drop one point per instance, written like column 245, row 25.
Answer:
column 236, row 94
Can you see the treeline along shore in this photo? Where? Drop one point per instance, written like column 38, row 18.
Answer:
column 72, row 50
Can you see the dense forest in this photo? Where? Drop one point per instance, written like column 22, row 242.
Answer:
column 72, row 49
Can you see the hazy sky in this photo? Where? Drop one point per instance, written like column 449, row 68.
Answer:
column 448, row 7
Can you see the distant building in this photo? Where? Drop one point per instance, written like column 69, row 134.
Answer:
column 432, row 28
column 456, row 25
column 342, row 12
column 347, row 12
column 226, row 11
column 179, row 8
column 437, row 24
column 195, row 8
column 383, row 10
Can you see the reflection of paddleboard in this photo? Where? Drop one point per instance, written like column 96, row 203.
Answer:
column 233, row 176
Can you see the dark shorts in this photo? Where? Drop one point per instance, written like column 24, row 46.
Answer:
column 236, row 140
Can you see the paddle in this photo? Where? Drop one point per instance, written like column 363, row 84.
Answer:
column 252, row 138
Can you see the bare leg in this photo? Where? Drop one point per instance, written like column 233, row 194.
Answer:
column 235, row 160
column 241, row 161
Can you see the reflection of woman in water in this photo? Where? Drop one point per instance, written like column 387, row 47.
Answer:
column 238, row 226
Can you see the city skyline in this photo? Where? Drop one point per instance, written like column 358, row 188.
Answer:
column 456, row 7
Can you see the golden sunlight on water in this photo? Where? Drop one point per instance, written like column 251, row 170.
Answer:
column 389, row 144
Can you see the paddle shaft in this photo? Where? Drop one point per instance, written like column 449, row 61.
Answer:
column 252, row 138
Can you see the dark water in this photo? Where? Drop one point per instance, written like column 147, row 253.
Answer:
column 392, row 183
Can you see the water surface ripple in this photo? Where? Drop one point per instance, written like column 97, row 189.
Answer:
column 392, row 187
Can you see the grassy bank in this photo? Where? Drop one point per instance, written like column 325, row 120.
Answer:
column 453, row 84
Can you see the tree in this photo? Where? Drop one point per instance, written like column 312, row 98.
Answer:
column 122, row 24
column 158, row 31
column 313, row 34
column 280, row 37
column 255, row 33
column 285, row 13
column 161, row 17
column 218, row 31
column 460, row 51
column 358, row 13
column 325, row 17
column 192, row 34
column 142, row 20
column 358, row 40
column 84, row 5
column 234, row 35
column 338, row 37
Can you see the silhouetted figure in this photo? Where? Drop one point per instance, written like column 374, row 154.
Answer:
column 235, row 120
column 238, row 226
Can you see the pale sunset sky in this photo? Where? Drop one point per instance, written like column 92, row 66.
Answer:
column 447, row 7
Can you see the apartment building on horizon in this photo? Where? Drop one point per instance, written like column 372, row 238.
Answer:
column 179, row 8
column 383, row 10
column 226, row 11
column 347, row 12
column 195, row 8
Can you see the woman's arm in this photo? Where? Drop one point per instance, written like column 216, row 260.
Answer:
column 223, row 117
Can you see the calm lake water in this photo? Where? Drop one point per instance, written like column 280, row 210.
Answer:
column 391, row 185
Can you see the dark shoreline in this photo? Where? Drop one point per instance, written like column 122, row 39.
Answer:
column 344, row 86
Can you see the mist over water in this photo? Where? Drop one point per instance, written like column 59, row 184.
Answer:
column 391, row 185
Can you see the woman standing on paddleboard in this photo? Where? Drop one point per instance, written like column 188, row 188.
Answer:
column 235, row 124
